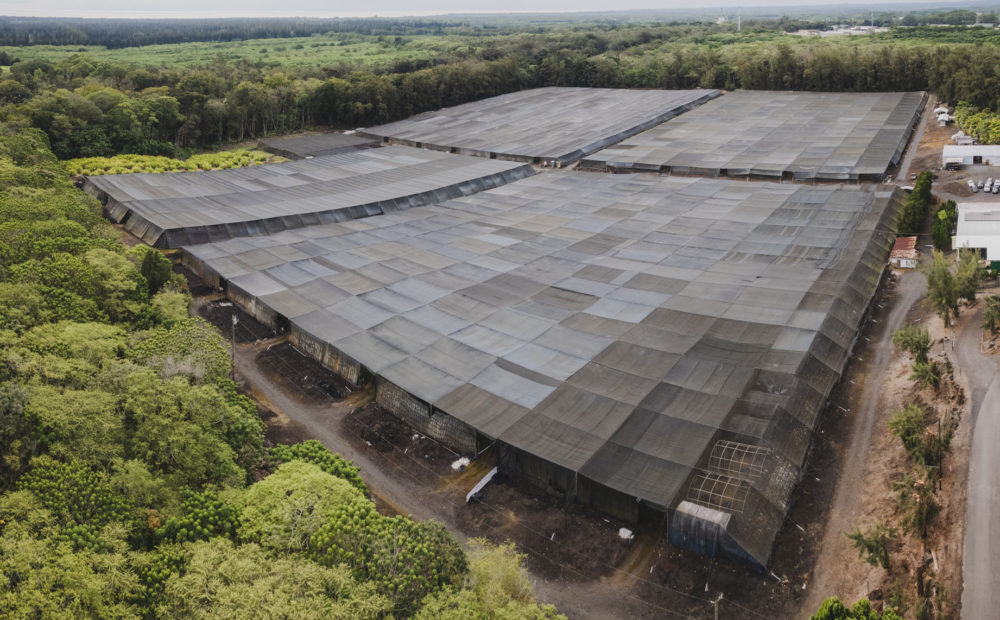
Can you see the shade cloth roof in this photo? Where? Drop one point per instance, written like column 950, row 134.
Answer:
column 169, row 210
column 618, row 327
column 824, row 136
column 554, row 124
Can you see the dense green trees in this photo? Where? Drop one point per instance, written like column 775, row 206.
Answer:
column 942, row 289
column 124, row 164
column 118, row 33
column 88, row 107
column 134, row 479
column 285, row 510
column 312, row 451
column 496, row 586
column 991, row 313
column 943, row 225
column 405, row 560
column 225, row 581
column 981, row 124
column 911, row 220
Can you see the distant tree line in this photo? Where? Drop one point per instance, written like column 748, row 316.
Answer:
column 118, row 33
column 89, row 107
column 957, row 17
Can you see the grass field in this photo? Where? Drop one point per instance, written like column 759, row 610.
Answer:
column 314, row 51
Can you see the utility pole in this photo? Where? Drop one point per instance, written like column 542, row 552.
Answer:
column 233, row 342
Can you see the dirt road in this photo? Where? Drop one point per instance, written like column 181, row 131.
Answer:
column 408, row 486
column 324, row 425
column 909, row 288
column 981, row 555
column 927, row 117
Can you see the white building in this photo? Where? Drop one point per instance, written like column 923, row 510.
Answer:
column 979, row 228
column 968, row 155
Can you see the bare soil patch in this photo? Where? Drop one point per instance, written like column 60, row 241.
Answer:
column 303, row 376
column 127, row 238
column 564, row 541
column 220, row 312
column 389, row 435
column 928, row 155
column 888, row 461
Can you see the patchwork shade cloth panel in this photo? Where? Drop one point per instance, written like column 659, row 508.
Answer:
column 806, row 136
column 669, row 338
column 317, row 145
column 555, row 124
column 170, row 210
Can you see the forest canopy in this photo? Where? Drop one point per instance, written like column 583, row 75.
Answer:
column 100, row 102
column 135, row 480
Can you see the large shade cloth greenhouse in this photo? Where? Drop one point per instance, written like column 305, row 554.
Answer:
column 301, row 147
column 544, row 124
column 663, row 339
column 170, row 210
column 806, row 136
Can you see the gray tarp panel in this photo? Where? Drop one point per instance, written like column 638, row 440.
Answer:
column 170, row 210
column 619, row 344
column 301, row 147
column 551, row 124
column 770, row 134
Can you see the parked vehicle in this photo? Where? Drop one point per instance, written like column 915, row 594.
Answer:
column 988, row 186
column 972, row 186
column 996, row 186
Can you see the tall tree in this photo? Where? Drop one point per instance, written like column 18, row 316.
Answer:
column 942, row 289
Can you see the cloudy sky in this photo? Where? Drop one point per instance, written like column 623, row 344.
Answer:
column 330, row 8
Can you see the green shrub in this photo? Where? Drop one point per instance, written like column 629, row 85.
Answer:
column 314, row 452
column 405, row 560
column 75, row 495
column 203, row 516
column 124, row 164
column 914, row 340
column 284, row 510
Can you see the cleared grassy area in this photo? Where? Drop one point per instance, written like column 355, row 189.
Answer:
column 314, row 51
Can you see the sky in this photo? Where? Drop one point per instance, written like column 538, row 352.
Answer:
column 344, row 8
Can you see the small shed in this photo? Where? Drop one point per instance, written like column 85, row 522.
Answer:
column 904, row 253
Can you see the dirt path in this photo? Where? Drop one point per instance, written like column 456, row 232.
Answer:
column 829, row 580
column 571, row 553
column 926, row 118
column 981, row 556
column 324, row 423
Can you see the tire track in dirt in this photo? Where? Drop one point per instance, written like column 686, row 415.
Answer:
column 843, row 510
